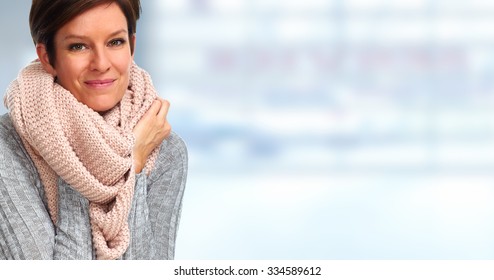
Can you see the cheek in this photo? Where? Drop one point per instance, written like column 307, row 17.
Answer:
column 123, row 59
column 69, row 70
column 124, row 69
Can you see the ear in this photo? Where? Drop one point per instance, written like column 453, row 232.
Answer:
column 44, row 59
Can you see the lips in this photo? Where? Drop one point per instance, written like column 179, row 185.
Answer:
column 100, row 83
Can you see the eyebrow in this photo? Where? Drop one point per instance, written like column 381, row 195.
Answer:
column 73, row 36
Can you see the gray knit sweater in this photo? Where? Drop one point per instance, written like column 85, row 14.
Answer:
column 26, row 230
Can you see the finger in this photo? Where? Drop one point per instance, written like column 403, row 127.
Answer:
column 165, row 106
column 155, row 107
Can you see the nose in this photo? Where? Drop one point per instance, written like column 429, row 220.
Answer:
column 100, row 61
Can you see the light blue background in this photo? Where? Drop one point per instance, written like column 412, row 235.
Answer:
column 321, row 129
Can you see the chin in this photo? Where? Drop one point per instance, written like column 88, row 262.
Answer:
column 103, row 103
column 101, row 107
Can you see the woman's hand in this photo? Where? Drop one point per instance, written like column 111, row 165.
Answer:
column 150, row 131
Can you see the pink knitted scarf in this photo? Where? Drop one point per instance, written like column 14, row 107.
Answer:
column 91, row 152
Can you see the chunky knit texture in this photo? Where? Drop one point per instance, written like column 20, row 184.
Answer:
column 91, row 152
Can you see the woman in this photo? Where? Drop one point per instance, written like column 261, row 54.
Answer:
column 89, row 167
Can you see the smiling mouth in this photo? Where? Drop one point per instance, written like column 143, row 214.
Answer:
column 99, row 83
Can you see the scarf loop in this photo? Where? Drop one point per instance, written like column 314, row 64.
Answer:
column 91, row 152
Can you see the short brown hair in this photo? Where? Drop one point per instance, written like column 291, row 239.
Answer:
column 48, row 16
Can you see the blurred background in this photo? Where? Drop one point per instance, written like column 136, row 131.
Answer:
column 321, row 129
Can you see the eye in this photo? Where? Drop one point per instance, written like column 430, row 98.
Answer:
column 116, row 42
column 77, row 47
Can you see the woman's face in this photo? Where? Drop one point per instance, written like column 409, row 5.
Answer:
column 93, row 57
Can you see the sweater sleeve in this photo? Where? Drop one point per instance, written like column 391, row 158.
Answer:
column 157, row 204
column 26, row 230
